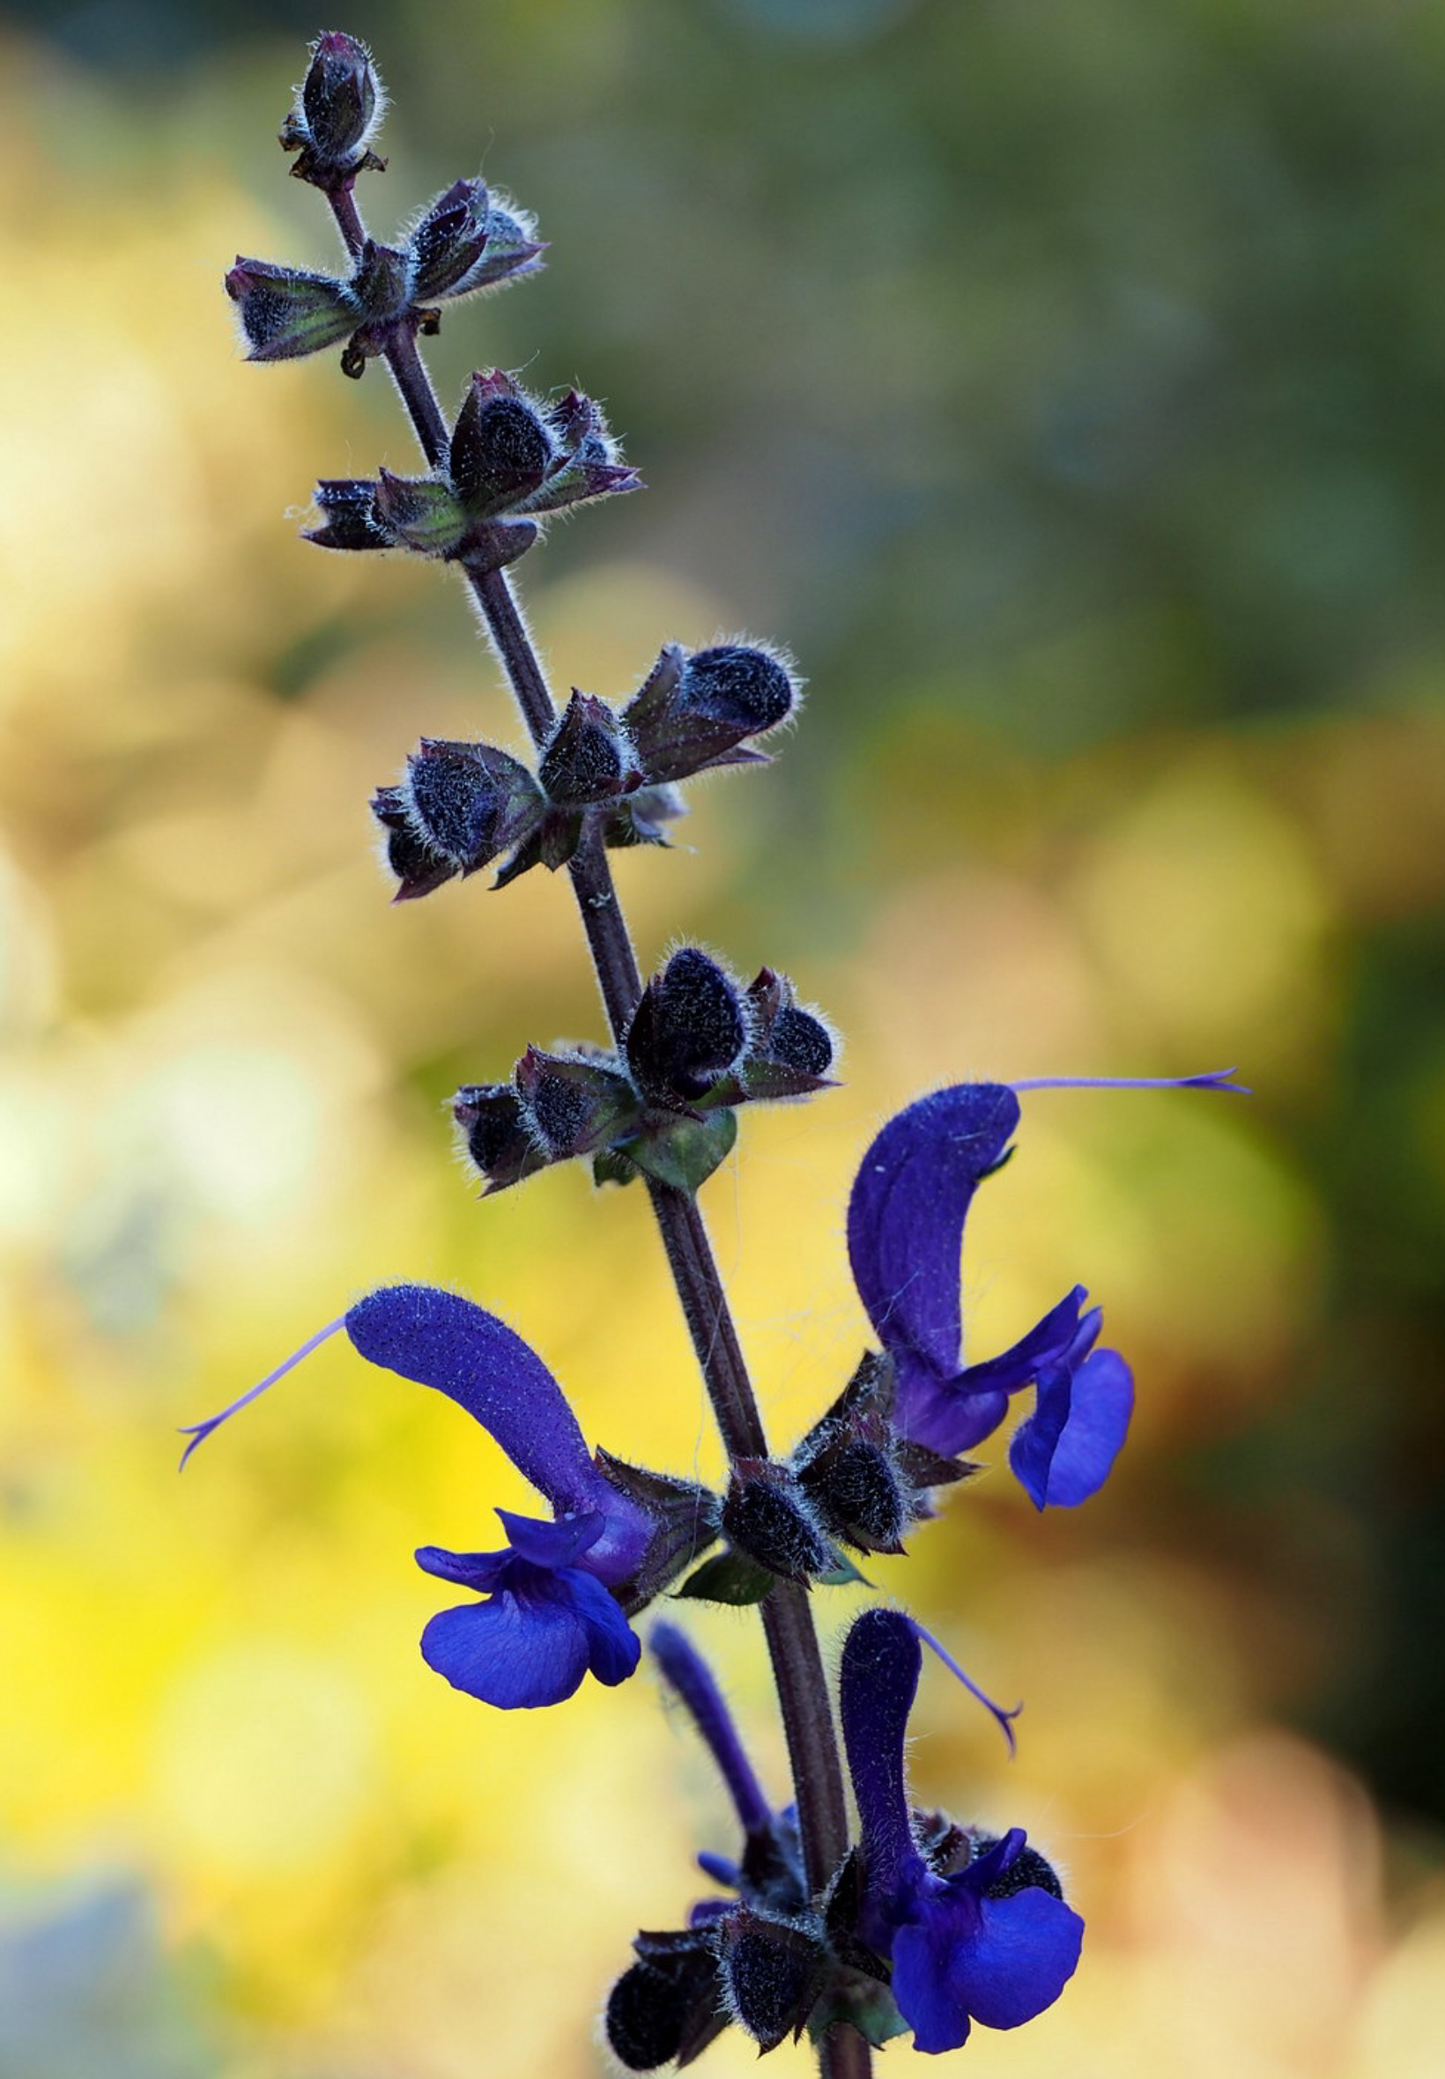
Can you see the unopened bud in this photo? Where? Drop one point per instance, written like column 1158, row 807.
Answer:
column 418, row 866
column 771, row 1973
column 665, row 2007
column 500, row 450
column 495, row 1133
column 589, row 758
column 694, row 712
column 789, row 1049
column 348, row 507
column 768, row 1516
column 337, row 112
column 450, row 239
column 466, row 242
column 689, row 1028
column 574, row 1105
column 286, row 312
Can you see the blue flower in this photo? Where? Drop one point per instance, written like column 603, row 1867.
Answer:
column 555, row 1596
column 905, row 1233
column 976, row 1928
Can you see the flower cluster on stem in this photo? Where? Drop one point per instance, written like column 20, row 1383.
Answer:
column 854, row 1933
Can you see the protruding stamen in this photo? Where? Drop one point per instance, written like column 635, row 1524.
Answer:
column 199, row 1431
column 1004, row 1717
column 1212, row 1079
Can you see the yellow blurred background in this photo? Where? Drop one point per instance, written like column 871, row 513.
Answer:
column 1064, row 385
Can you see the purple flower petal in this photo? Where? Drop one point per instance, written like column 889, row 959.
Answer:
column 516, row 1653
column 480, row 1571
column 877, row 1684
column 533, row 1641
column 906, row 1214
column 442, row 1340
column 1066, row 1449
column 952, row 1415
column 1021, row 1957
column 923, row 1987
column 552, row 1545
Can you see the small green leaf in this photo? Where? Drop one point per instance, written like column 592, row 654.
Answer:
column 728, row 1578
column 862, row 2003
column 684, row 1152
column 843, row 1575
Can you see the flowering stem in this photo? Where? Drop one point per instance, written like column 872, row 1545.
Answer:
column 797, row 1661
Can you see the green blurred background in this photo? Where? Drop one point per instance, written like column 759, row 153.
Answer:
column 1062, row 380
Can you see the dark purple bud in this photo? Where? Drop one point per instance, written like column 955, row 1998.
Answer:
column 468, row 802
column 495, row 1134
column 771, row 1971
column 337, row 112
column 694, row 712
column 348, row 508
column 789, row 1049
column 421, row 512
column 286, row 312
column 689, row 1028
column 664, row 2009
column 768, row 1516
column 467, row 242
column 513, row 249
column 449, row 241
column 589, row 758
column 418, row 867
column 586, row 463
column 572, row 1104
column 500, row 450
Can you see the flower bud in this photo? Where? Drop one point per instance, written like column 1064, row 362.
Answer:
column 469, row 801
column 418, row 866
column 688, row 1030
column 694, row 712
column 589, row 758
column 500, row 449
column 789, row 1049
column 286, row 312
column 665, row 2007
column 512, row 250
column 572, row 1104
column 771, row 1973
column 449, row 241
column 457, row 807
column 768, row 1516
column 495, row 1134
column 348, row 506
column 337, row 113
column 465, row 242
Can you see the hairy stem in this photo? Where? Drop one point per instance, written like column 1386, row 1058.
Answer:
column 797, row 1661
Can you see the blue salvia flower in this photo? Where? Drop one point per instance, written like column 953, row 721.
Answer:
column 905, row 1232
column 555, row 1596
column 976, row 1929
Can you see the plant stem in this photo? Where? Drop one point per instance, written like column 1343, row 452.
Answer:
column 797, row 1661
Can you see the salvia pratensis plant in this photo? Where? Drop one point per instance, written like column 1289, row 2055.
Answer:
column 853, row 1929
